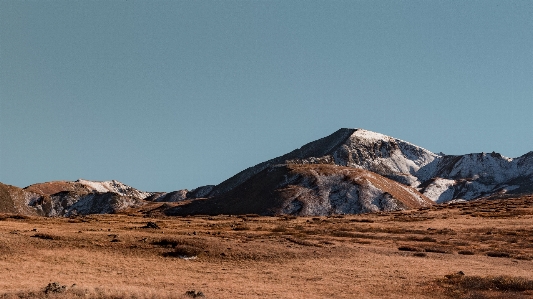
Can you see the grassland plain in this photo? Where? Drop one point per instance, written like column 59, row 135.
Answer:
column 480, row 249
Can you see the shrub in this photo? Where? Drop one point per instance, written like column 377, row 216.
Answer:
column 240, row 227
column 45, row 236
column 501, row 283
column 498, row 254
column 408, row 248
column 435, row 250
column 279, row 229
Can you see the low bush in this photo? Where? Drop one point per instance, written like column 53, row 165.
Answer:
column 408, row 248
column 435, row 250
column 45, row 236
column 499, row 283
column 498, row 254
column 279, row 229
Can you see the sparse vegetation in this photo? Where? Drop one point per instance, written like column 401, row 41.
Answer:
column 459, row 285
column 498, row 254
column 76, row 292
column 46, row 236
column 269, row 257
column 279, row 229
column 408, row 248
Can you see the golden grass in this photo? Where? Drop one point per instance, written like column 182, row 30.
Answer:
column 458, row 285
column 368, row 256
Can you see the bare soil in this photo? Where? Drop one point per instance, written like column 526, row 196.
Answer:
column 481, row 249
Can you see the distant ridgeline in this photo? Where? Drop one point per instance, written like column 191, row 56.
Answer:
column 348, row 172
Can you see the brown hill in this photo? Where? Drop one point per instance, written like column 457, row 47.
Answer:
column 66, row 198
column 309, row 189
column 14, row 200
column 49, row 188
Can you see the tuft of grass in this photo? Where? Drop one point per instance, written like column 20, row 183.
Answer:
column 5, row 216
column 408, row 248
column 302, row 242
column 241, row 227
column 45, row 236
column 423, row 239
column 183, row 247
column 184, row 251
column 498, row 254
column 75, row 292
column 166, row 242
column 279, row 229
column 435, row 250
column 489, row 283
column 362, row 220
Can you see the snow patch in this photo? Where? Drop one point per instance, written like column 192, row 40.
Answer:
column 440, row 190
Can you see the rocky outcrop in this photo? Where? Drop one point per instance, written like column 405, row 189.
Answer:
column 65, row 198
column 310, row 189
column 15, row 200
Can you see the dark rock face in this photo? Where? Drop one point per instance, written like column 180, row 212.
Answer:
column 309, row 189
column 174, row 196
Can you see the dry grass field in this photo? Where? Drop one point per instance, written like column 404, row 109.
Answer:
column 480, row 249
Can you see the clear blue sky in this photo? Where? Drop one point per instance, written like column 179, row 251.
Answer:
column 167, row 95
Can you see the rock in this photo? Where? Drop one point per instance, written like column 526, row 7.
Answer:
column 151, row 224
column 54, row 287
column 194, row 294
column 457, row 275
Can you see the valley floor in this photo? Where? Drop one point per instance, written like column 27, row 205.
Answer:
column 392, row 255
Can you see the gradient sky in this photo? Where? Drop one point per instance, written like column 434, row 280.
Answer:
column 167, row 95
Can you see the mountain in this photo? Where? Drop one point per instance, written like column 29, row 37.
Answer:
column 309, row 189
column 84, row 186
column 478, row 175
column 349, row 171
column 15, row 200
column 438, row 177
column 355, row 148
column 65, row 198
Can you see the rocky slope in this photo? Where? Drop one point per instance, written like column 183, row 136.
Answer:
column 310, row 189
column 440, row 177
column 64, row 198
column 15, row 200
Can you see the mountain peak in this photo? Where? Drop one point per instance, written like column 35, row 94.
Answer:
column 362, row 133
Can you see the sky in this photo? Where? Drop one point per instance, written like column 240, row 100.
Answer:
column 169, row 95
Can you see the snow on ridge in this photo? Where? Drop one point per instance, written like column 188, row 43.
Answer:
column 384, row 155
column 115, row 187
column 374, row 136
column 371, row 136
column 96, row 186
column 440, row 190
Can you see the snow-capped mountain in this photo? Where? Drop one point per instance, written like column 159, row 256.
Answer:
column 439, row 177
column 476, row 175
column 65, row 198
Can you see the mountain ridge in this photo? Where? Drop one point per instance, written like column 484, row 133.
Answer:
column 346, row 163
column 440, row 177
